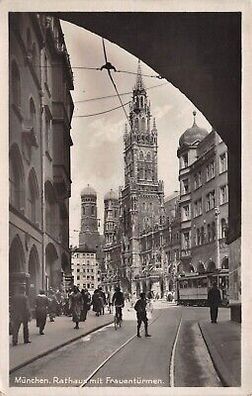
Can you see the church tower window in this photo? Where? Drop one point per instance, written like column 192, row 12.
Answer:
column 143, row 124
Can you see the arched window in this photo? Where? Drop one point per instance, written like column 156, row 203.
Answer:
column 140, row 173
column 52, row 214
column 209, row 234
column 16, row 256
column 211, row 267
column 213, row 231
column 202, row 235
column 137, row 123
column 143, row 124
column 33, row 117
column 224, row 263
column 223, row 228
column 47, row 132
column 198, row 239
column 148, row 156
column 16, row 179
column 141, row 157
column 32, row 199
column 15, row 85
column 200, row 267
column 191, row 268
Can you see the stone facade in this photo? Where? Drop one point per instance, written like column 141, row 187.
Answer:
column 85, row 269
column 41, row 109
column 203, row 201
column 156, row 238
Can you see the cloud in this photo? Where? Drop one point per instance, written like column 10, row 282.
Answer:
column 160, row 112
column 104, row 130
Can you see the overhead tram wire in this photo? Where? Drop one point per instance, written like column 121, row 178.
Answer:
column 96, row 69
column 112, row 96
column 109, row 67
column 102, row 112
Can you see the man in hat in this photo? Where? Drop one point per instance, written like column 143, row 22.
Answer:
column 20, row 313
column 42, row 304
column 214, row 300
column 140, row 308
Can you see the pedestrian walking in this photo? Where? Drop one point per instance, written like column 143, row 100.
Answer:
column 140, row 308
column 20, row 314
column 76, row 306
column 214, row 300
column 109, row 302
column 103, row 299
column 58, row 298
column 41, row 309
column 86, row 302
column 97, row 302
column 52, row 309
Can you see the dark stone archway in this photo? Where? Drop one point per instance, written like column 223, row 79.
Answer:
column 200, row 54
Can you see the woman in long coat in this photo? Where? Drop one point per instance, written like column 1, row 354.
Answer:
column 76, row 306
column 86, row 300
column 42, row 303
column 96, row 302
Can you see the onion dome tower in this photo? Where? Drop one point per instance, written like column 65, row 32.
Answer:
column 89, row 234
column 192, row 135
column 188, row 143
column 111, row 216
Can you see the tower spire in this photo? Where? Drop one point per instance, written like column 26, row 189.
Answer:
column 194, row 117
column 139, row 81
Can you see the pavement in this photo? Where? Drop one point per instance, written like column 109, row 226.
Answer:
column 57, row 334
column 223, row 341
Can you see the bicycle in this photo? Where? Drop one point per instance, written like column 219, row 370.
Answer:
column 118, row 316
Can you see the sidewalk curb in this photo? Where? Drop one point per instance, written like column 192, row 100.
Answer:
column 42, row 354
column 218, row 362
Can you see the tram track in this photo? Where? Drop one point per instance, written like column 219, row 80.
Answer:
column 117, row 350
column 172, row 359
column 176, row 351
column 194, row 354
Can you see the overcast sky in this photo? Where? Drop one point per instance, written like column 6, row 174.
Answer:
column 97, row 151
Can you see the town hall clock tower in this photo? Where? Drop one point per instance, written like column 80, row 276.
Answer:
column 142, row 195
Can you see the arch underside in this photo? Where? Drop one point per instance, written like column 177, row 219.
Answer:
column 192, row 51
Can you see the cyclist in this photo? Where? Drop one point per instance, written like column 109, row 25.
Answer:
column 118, row 302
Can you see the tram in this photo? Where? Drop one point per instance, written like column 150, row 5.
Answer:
column 192, row 289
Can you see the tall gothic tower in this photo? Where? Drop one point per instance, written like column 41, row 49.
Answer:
column 89, row 234
column 142, row 195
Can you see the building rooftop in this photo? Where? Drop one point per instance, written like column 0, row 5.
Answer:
column 193, row 134
column 83, row 249
column 111, row 194
column 88, row 191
